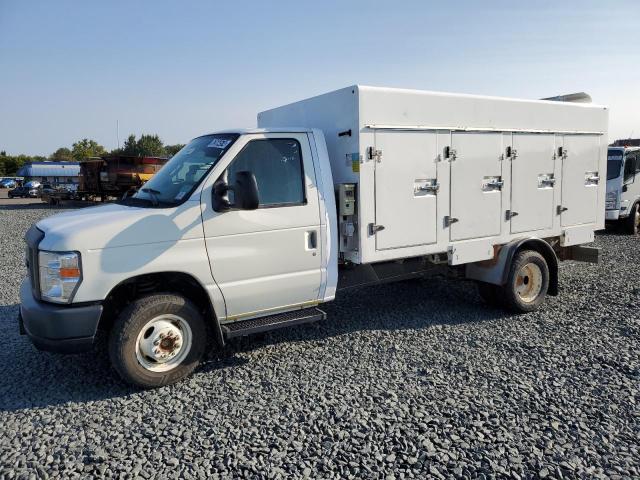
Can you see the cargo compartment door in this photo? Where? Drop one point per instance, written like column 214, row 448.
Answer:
column 533, row 182
column 406, row 189
column 580, row 179
column 476, row 185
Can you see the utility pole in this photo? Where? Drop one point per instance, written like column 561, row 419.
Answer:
column 118, row 132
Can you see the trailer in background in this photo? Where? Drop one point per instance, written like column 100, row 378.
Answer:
column 112, row 177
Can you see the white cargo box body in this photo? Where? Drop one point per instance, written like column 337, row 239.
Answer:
column 438, row 172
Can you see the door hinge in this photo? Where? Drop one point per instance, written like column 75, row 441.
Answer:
column 561, row 209
column 449, row 220
column 511, row 153
column 373, row 154
column 510, row 214
column 373, row 229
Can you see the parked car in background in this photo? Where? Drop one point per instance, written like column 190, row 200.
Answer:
column 24, row 192
column 53, row 195
column 623, row 188
column 8, row 183
column 33, row 184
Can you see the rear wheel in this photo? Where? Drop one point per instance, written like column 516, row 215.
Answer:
column 527, row 283
column 632, row 222
column 157, row 340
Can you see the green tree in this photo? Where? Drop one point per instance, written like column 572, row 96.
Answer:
column 86, row 148
column 9, row 165
column 145, row 146
column 62, row 154
column 130, row 146
column 173, row 149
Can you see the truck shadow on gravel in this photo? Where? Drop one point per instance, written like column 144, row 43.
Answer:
column 40, row 379
column 411, row 305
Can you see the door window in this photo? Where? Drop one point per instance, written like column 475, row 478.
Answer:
column 629, row 168
column 277, row 166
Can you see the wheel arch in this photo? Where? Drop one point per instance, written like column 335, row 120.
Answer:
column 496, row 270
column 160, row 282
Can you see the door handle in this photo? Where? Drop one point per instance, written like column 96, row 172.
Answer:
column 311, row 240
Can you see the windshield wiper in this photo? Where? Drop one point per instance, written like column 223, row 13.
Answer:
column 153, row 194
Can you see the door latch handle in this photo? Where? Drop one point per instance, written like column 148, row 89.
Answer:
column 373, row 229
column 510, row 214
column 435, row 187
column 312, row 240
column 592, row 180
column 547, row 182
column 561, row 209
column 449, row 220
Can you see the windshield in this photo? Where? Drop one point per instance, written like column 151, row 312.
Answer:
column 614, row 163
column 177, row 180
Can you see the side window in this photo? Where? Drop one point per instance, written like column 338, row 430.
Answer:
column 629, row 167
column 637, row 156
column 277, row 166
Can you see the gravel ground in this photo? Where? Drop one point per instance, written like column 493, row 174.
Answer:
column 407, row 380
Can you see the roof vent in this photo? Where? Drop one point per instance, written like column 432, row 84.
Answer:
column 579, row 97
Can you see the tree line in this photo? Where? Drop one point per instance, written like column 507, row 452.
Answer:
column 145, row 146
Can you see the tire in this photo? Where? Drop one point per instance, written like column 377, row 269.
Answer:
column 144, row 327
column 527, row 283
column 632, row 222
column 490, row 294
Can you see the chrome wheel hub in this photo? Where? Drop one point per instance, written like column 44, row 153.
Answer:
column 163, row 343
column 529, row 282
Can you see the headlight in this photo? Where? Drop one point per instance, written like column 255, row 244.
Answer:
column 60, row 275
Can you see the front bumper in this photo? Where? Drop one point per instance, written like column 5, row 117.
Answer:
column 57, row 328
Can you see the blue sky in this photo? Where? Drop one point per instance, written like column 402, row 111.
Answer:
column 70, row 69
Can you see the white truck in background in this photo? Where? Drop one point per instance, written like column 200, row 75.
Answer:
column 623, row 188
column 245, row 231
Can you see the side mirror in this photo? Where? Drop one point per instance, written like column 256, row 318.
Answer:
column 625, row 188
column 245, row 193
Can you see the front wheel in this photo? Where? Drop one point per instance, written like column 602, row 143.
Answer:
column 527, row 283
column 157, row 340
column 632, row 222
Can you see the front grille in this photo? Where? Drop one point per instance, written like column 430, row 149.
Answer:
column 33, row 239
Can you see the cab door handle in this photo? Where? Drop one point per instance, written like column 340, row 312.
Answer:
column 311, row 240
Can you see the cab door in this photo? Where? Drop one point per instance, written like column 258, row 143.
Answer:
column 267, row 259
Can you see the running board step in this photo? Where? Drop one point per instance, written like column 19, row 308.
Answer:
column 272, row 322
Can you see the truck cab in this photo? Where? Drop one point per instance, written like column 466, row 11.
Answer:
column 623, row 187
column 200, row 239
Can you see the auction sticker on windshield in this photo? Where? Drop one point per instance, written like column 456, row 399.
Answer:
column 219, row 143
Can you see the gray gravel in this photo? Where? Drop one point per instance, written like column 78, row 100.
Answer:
column 402, row 381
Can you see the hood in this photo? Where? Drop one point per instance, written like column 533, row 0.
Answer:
column 113, row 225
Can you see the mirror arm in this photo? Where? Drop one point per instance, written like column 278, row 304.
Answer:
column 221, row 204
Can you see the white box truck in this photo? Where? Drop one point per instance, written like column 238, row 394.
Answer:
column 245, row 231
column 623, row 191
